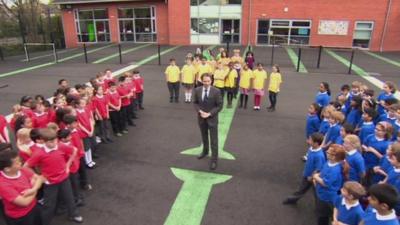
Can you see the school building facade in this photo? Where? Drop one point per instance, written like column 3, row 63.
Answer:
column 373, row 25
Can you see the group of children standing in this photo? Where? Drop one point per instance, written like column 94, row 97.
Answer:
column 231, row 75
column 56, row 142
column 354, row 144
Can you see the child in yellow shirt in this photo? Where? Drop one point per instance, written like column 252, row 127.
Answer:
column 246, row 76
column 230, row 84
column 219, row 78
column 172, row 76
column 275, row 80
column 260, row 75
column 188, row 78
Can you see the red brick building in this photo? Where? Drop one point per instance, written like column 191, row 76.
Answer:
column 340, row 23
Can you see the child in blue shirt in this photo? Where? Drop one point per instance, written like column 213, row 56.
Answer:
column 375, row 146
column 368, row 127
column 354, row 158
column 336, row 118
column 389, row 113
column 354, row 115
column 382, row 199
column 347, row 206
column 389, row 88
column 313, row 121
column 315, row 161
column 326, row 113
column 328, row 183
column 345, row 130
column 323, row 97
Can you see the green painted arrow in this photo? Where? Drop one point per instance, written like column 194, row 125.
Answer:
column 191, row 202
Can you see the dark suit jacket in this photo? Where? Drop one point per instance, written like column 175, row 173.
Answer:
column 213, row 104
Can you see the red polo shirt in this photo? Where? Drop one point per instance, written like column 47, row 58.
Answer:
column 11, row 188
column 3, row 124
column 40, row 120
column 122, row 91
column 101, row 105
column 83, row 117
column 138, row 81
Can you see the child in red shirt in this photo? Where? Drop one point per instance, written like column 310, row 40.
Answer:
column 24, row 143
column 131, row 86
column 18, row 190
column 76, row 140
column 86, row 126
column 54, row 163
column 4, row 135
column 126, row 94
column 65, row 138
column 102, row 114
column 139, row 88
column 101, row 82
column 114, row 108
column 40, row 118
column 109, row 77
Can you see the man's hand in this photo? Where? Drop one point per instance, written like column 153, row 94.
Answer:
column 204, row 115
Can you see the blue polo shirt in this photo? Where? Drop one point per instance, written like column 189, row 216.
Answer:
column 383, row 96
column 315, row 161
column 322, row 99
column 367, row 128
column 371, row 217
column 333, row 133
column 380, row 145
column 331, row 174
column 357, row 165
column 312, row 125
column 323, row 128
column 354, row 117
column 348, row 214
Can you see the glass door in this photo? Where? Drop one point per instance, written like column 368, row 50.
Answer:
column 230, row 31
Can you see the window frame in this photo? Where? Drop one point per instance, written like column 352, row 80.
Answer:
column 153, row 24
column 355, row 29
column 94, row 20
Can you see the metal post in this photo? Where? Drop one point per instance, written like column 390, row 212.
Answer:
column 249, row 49
column 298, row 60
column 159, row 54
column 227, row 47
column 1, row 54
column 120, row 53
column 273, row 51
column 55, row 53
column 319, row 56
column 26, row 53
column 351, row 61
column 21, row 27
column 202, row 49
column 85, row 52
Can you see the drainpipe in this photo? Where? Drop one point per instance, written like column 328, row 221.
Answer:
column 248, row 31
column 389, row 6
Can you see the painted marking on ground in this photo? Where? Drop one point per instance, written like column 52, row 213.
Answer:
column 294, row 58
column 359, row 71
column 51, row 63
column 43, row 56
column 122, row 53
column 385, row 59
column 191, row 202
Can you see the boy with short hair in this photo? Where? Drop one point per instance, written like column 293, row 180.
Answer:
column 382, row 199
column 54, row 164
column 139, row 89
column 315, row 161
column 347, row 206
column 368, row 126
column 114, row 107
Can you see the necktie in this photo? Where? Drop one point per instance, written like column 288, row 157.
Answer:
column 205, row 94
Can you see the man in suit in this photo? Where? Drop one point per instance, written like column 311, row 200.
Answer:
column 208, row 103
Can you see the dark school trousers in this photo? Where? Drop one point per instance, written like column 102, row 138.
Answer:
column 117, row 123
column 83, row 176
column 272, row 98
column 125, row 115
column 305, row 185
column 32, row 218
column 324, row 211
column 103, row 129
column 209, row 132
column 139, row 100
column 173, row 88
column 74, row 179
column 51, row 193
column 132, row 108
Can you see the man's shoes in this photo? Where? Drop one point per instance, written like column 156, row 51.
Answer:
column 76, row 219
column 290, row 200
column 213, row 165
column 202, row 155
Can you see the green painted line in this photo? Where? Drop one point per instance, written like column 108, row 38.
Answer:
column 50, row 63
column 390, row 61
column 225, row 118
column 155, row 56
column 122, row 53
column 359, row 71
column 191, row 202
column 294, row 58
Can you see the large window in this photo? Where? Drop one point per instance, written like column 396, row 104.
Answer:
column 362, row 34
column 92, row 25
column 204, row 26
column 283, row 32
column 215, row 2
column 138, row 24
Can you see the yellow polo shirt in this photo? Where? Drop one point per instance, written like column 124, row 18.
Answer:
column 219, row 78
column 172, row 73
column 259, row 79
column 230, row 80
column 275, row 80
column 202, row 69
column 188, row 74
column 245, row 77
column 237, row 59
column 224, row 61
